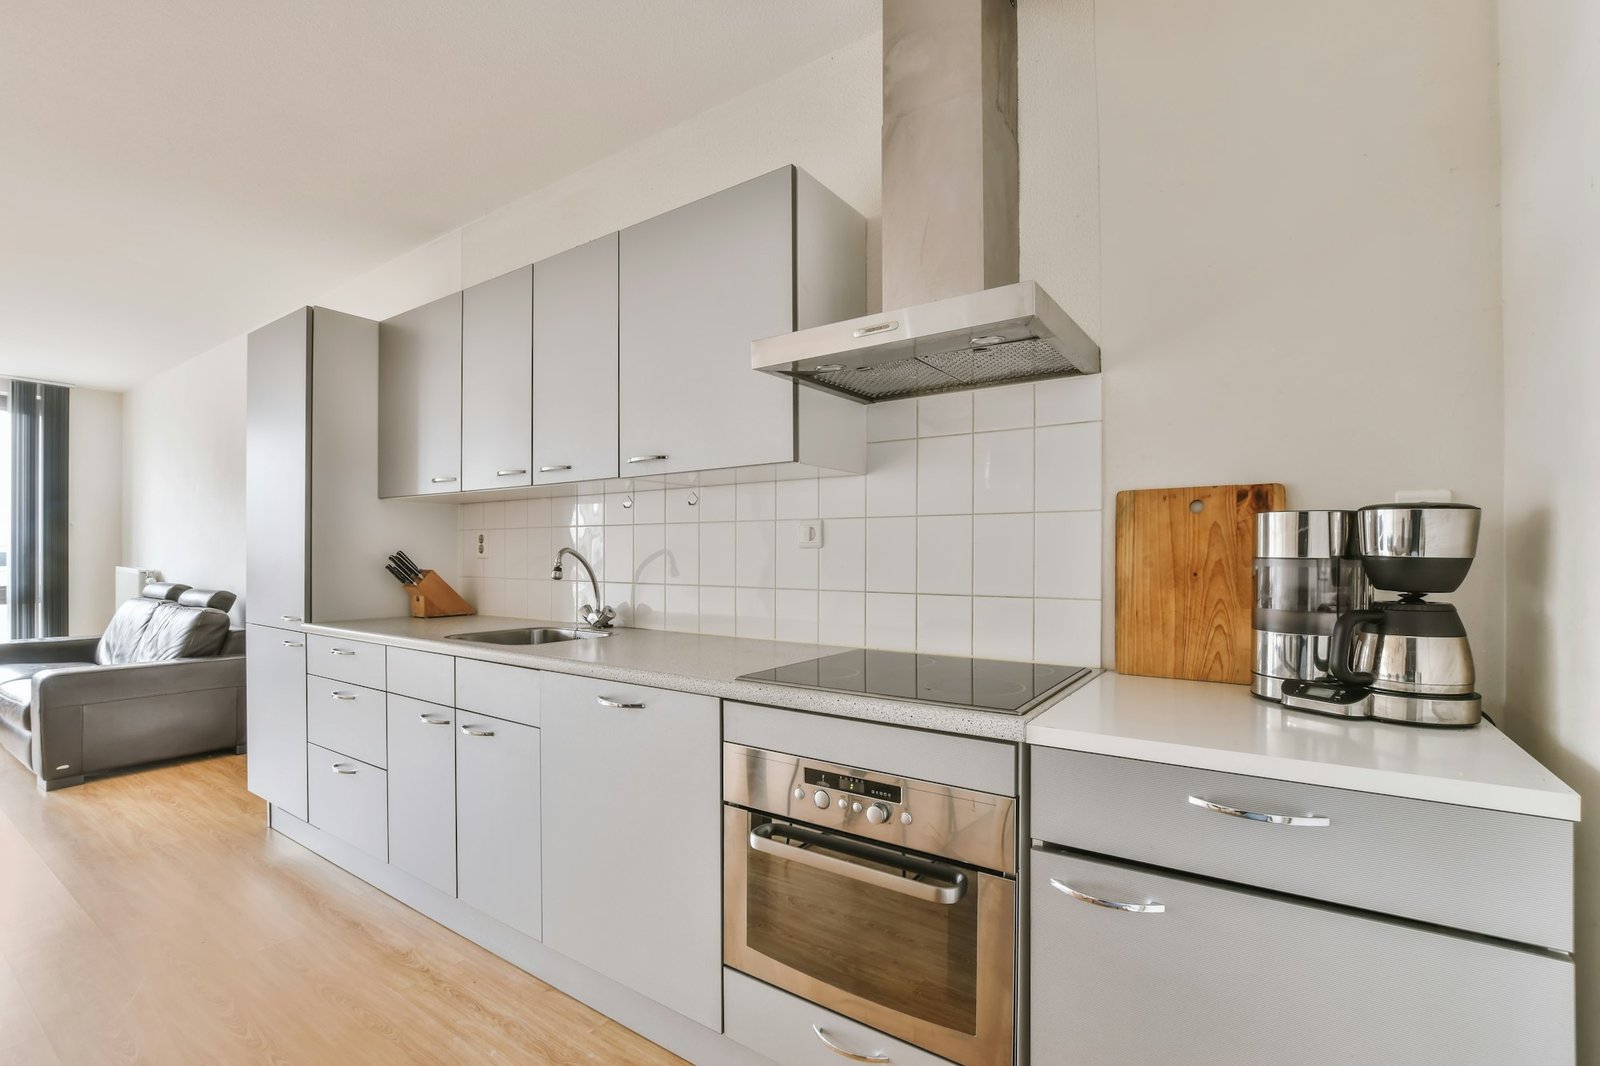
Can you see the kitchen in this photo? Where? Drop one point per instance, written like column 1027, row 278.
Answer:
column 1156, row 149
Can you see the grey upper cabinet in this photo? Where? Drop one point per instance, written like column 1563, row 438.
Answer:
column 575, row 364
column 275, row 671
column 497, row 819
column 1223, row 976
column 419, row 400
column 277, row 418
column 633, row 885
column 497, row 382
column 697, row 285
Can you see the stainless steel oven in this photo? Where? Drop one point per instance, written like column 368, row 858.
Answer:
column 886, row 899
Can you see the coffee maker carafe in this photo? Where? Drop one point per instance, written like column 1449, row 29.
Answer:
column 1404, row 660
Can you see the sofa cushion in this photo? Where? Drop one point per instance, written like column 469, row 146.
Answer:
column 147, row 631
column 16, row 692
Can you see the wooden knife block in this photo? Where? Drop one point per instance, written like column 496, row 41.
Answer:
column 432, row 597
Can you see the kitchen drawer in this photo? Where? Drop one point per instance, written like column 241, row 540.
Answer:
column 349, row 799
column 354, row 661
column 1225, row 976
column 423, row 676
column 785, row 1028
column 1505, row 875
column 347, row 719
column 509, row 692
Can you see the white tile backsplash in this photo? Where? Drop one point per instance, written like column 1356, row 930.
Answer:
column 976, row 530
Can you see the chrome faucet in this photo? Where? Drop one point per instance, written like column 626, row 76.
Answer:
column 596, row 615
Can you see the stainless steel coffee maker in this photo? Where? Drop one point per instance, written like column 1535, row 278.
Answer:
column 1307, row 573
column 1404, row 660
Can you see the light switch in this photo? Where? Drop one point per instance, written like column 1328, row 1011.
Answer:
column 809, row 534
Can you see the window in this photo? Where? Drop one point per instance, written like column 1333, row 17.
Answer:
column 36, row 533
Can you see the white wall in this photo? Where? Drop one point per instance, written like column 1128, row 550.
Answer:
column 1549, row 83
column 183, row 471
column 94, row 508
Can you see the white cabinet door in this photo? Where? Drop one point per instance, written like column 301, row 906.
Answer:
column 497, row 382
column 349, row 799
column 422, row 791
column 575, row 364
column 632, row 838
column 276, row 409
column 275, row 716
column 697, row 285
column 419, row 400
column 497, row 819
column 1224, row 976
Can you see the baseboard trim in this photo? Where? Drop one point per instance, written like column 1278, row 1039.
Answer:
column 664, row 1026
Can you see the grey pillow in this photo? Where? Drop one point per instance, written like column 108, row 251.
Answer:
column 148, row 631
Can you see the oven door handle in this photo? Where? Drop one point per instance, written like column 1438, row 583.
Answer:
column 815, row 855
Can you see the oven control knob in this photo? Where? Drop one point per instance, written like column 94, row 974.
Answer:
column 877, row 814
column 905, row 817
column 855, row 808
column 822, row 799
column 799, row 793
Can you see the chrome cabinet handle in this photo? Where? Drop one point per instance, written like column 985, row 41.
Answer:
column 881, row 327
column 602, row 701
column 647, row 458
column 510, row 473
column 1084, row 897
column 442, row 480
column 477, row 731
column 293, row 644
column 344, row 696
column 434, row 719
column 818, row 844
column 290, row 618
column 343, row 768
column 1253, row 816
column 553, row 469
column 340, row 651
column 822, row 1035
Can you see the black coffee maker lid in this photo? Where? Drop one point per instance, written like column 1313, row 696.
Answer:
column 1427, row 506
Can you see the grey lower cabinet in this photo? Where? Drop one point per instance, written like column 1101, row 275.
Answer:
column 498, row 819
column 275, row 671
column 1222, row 976
column 497, row 382
column 422, row 791
column 633, row 838
column 419, row 400
column 349, row 799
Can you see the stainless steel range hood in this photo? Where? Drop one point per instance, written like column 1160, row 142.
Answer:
column 950, row 241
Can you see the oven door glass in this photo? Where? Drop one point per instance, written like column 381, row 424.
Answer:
column 919, row 948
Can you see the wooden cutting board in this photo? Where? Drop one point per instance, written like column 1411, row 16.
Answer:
column 1184, row 580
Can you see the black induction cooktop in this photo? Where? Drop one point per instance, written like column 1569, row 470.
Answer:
column 948, row 680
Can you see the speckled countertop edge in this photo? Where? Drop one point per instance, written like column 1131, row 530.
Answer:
column 706, row 665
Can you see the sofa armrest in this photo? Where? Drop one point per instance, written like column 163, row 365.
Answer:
column 79, row 685
column 49, row 650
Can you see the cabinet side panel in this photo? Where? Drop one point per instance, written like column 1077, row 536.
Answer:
column 277, row 399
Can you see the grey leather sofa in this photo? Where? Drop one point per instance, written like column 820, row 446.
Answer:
column 165, row 680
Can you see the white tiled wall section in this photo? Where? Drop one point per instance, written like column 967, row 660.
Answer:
column 976, row 531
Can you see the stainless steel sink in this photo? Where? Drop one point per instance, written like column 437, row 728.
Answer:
column 531, row 635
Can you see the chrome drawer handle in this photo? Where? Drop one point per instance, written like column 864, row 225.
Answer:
column 293, row 644
column 881, row 327
column 442, row 480
column 1271, row 819
column 340, row 651
column 289, row 618
column 618, row 704
column 344, row 768
column 510, row 473
column 822, row 1035
column 1084, row 897
column 477, row 731
column 556, row 467
column 434, row 719
column 344, row 695
column 647, row 458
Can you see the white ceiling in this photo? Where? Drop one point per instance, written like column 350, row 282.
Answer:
column 176, row 172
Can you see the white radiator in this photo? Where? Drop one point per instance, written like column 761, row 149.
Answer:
column 131, row 581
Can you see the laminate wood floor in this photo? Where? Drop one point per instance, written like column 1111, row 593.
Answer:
column 152, row 917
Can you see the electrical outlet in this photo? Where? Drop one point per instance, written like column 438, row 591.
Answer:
column 1424, row 496
column 809, row 534
column 483, row 546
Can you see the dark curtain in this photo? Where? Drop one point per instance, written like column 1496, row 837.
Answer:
column 38, row 559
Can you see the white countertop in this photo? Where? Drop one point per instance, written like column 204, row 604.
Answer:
column 687, row 662
column 1222, row 727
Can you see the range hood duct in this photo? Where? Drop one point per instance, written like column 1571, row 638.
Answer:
column 950, row 245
